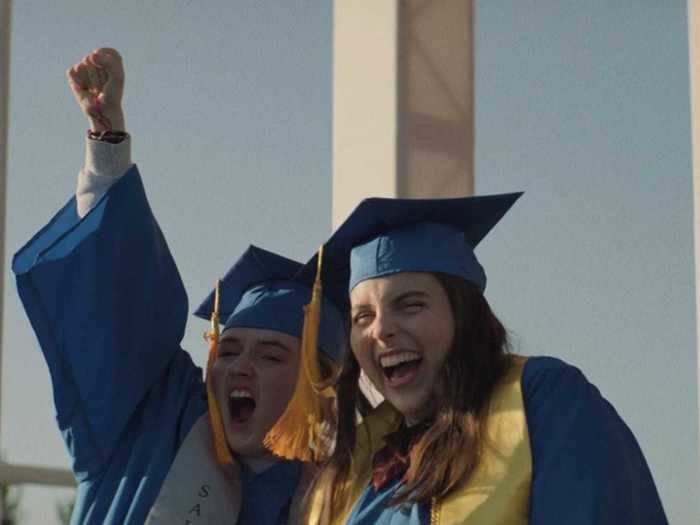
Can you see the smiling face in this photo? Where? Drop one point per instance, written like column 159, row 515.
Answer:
column 253, row 377
column 402, row 330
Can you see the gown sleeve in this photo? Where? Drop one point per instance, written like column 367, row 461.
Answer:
column 587, row 466
column 106, row 301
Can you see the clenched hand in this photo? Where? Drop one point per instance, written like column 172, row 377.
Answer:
column 97, row 82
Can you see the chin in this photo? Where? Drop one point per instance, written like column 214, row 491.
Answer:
column 411, row 407
column 251, row 450
column 242, row 442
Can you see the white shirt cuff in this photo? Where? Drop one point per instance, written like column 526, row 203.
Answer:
column 105, row 164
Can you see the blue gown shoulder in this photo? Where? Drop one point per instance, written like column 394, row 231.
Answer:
column 587, row 465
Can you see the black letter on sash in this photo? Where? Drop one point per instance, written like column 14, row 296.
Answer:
column 196, row 509
column 204, row 491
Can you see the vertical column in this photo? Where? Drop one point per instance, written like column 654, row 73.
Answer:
column 5, row 13
column 365, row 101
column 694, row 65
column 403, row 103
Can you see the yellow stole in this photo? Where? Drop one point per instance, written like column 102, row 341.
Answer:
column 496, row 493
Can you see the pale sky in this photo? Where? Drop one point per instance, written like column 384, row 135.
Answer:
column 584, row 105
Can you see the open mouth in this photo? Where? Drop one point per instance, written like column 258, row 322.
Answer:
column 400, row 366
column 241, row 406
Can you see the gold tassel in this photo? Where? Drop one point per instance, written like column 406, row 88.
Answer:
column 221, row 450
column 298, row 433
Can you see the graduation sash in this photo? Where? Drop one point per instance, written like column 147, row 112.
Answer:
column 197, row 490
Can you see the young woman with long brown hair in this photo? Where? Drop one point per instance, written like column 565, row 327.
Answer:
column 468, row 433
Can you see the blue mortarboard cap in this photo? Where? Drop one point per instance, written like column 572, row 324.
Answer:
column 386, row 236
column 264, row 290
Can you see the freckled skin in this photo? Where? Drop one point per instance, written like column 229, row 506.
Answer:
column 266, row 363
column 403, row 311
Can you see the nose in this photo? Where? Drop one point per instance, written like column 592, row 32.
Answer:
column 242, row 365
column 384, row 327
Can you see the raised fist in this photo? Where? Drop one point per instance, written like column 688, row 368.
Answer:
column 97, row 82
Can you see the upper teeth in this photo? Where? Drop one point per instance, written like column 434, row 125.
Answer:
column 240, row 393
column 397, row 359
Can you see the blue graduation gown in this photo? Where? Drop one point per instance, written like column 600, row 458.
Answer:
column 267, row 495
column 109, row 309
column 587, row 466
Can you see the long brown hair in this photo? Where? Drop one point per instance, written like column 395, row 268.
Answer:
column 448, row 452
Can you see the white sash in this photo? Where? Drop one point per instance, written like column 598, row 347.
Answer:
column 197, row 490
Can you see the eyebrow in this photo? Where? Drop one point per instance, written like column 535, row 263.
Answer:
column 272, row 342
column 418, row 294
column 236, row 341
